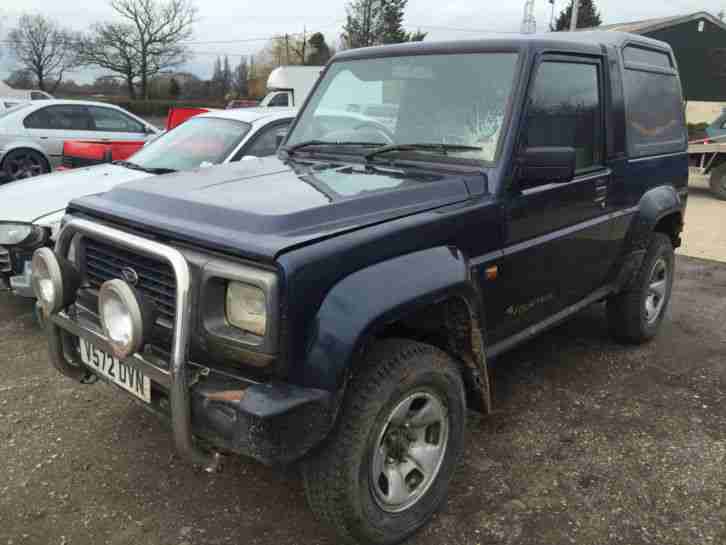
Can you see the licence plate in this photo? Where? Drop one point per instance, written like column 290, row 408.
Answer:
column 130, row 379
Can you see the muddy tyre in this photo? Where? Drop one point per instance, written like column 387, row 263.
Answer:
column 717, row 181
column 635, row 315
column 386, row 468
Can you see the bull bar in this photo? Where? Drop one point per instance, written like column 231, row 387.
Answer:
column 177, row 375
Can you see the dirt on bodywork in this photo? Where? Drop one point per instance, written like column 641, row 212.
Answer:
column 590, row 442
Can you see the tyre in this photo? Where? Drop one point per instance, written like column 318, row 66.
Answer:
column 717, row 181
column 635, row 314
column 386, row 467
column 23, row 163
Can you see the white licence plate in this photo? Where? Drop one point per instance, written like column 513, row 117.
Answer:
column 130, row 379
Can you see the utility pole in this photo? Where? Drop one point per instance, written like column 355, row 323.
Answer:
column 573, row 19
column 529, row 24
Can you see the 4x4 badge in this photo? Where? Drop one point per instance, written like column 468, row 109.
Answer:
column 130, row 275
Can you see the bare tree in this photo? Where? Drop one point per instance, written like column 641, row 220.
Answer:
column 43, row 48
column 112, row 46
column 158, row 28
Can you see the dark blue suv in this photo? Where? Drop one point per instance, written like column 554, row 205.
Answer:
column 339, row 304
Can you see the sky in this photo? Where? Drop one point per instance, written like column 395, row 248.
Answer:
column 246, row 24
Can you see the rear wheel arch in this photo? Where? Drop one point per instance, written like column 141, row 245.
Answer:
column 671, row 225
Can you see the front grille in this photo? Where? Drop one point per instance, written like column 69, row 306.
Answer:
column 5, row 264
column 156, row 280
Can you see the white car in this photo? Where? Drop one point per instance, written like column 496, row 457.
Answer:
column 7, row 103
column 31, row 210
column 32, row 133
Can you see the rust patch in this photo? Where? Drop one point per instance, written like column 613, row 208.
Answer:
column 234, row 396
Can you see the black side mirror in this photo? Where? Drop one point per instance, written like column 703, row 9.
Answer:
column 545, row 165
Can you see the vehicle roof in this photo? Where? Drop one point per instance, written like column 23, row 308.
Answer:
column 581, row 41
column 252, row 115
column 63, row 102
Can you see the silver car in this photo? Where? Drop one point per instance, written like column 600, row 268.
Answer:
column 31, row 210
column 32, row 133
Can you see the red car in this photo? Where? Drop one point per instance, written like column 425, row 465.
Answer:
column 83, row 153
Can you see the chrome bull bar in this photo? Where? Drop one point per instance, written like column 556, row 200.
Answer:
column 178, row 380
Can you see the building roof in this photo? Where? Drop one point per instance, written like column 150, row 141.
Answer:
column 652, row 25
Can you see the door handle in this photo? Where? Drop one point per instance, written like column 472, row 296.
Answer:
column 601, row 195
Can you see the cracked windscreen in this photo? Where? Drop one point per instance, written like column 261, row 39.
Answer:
column 453, row 99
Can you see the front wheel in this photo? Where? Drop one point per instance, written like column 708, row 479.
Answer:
column 386, row 468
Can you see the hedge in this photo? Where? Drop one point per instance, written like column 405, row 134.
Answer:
column 160, row 108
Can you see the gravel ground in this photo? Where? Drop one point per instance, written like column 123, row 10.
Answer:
column 592, row 442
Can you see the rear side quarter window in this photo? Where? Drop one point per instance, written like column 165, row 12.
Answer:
column 655, row 110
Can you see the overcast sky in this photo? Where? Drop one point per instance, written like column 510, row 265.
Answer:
column 221, row 20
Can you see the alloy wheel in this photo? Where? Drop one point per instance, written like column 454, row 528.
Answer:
column 409, row 451
column 656, row 295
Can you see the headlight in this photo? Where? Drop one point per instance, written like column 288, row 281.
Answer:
column 24, row 234
column 246, row 308
column 123, row 317
column 55, row 280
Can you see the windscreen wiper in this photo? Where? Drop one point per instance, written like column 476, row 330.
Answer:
column 134, row 166
column 294, row 147
column 442, row 148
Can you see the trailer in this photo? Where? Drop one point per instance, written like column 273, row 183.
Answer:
column 707, row 162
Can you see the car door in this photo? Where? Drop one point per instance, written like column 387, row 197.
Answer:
column 557, row 245
column 111, row 124
column 52, row 125
column 265, row 142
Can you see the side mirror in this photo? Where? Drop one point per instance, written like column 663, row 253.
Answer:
column 545, row 165
column 280, row 138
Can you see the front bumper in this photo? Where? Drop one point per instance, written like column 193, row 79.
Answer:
column 16, row 270
column 273, row 422
column 21, row 284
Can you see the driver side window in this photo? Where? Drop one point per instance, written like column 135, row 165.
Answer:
column 266, row 142
column 564, row 110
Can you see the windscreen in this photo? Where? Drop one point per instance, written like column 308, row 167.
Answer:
column 457, row 99
column 196, row 142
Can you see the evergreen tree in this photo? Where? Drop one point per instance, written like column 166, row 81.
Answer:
column 363, row 23
column 588, row 16
column 417, row 36
column 392, row 31
column 226, row 77
column 240, row 77
column 320, row 53
column 174, row 89
column 376, row 22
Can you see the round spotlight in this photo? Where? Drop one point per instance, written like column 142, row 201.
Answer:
column 47, row 280
column 122, row 317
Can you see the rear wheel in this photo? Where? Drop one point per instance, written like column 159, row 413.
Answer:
column 386, row 469
column 717, row 181
column 24, row 163
column 635, row 314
